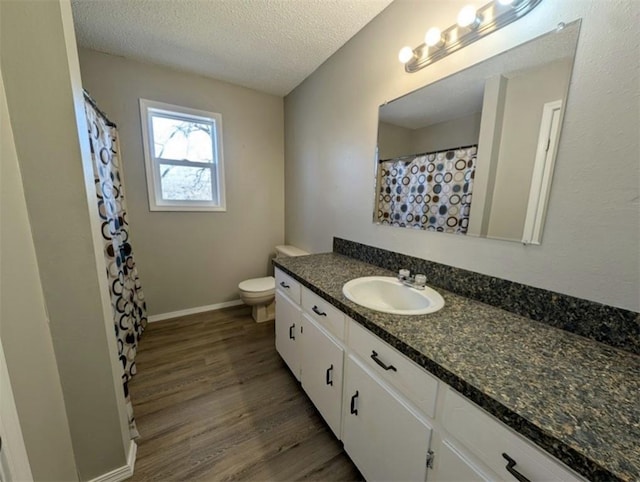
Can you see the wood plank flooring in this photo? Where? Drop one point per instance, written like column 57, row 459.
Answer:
column 214, row 401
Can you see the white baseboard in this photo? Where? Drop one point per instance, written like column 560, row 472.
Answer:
column 121, row 473
column 193, row 311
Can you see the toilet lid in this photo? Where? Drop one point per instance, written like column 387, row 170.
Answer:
column 258, row 284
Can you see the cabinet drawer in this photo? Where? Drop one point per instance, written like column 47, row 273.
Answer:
column 489, row 439
column 324, row 313
column 288, row 285
column 411, row 380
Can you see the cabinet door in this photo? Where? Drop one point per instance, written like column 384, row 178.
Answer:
column 385, row 439
column 451, row 466
column 322, row 372
column 288, row 318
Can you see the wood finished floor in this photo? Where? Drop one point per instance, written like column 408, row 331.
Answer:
column 214, row 401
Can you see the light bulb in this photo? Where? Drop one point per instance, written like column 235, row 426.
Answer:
column 468, row 17
column 405, row 55
column 433, row 37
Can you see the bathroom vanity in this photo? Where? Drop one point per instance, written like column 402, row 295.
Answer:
column 471, row 392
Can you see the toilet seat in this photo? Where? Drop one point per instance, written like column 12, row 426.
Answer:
column 258, row 285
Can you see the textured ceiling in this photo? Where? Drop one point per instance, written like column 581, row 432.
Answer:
column 267, row 45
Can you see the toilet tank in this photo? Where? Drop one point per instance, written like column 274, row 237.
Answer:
column 285, row 251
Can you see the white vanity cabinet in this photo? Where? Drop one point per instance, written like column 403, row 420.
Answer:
column 385, row 438
column 288, row 321
column 321, row 372
column 309, row 339
column 323, row 354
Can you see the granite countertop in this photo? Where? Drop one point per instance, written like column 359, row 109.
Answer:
column 576, row 398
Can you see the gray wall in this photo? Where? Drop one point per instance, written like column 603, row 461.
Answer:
column 590, row 247
column 463, row 131
column 394, row 141
column 33, row 372
column 45, row 105
column 192, row 259
column 526, row 95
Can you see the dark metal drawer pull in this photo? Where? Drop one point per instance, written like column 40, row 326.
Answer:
column 284, row 285
column 354, row 410
column 317, row 311
column 510, row 468
column 329, row 375
column 291, row 331
column 374, row 357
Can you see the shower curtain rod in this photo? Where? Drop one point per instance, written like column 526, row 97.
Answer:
column 411, row 156
column 93, row 103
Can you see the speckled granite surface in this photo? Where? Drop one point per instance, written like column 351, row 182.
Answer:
column 613, row 326
column 576, row 398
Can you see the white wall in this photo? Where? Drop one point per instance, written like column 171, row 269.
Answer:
column 192, row 259
column 590, row 247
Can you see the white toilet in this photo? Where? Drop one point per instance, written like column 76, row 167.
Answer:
column 260, row 293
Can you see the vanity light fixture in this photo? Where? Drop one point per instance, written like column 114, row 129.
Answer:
column 406, row 54
column 472, row 24
column 468, row 17
column 434, row 38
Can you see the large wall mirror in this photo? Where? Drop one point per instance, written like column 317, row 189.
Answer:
column 474, row 153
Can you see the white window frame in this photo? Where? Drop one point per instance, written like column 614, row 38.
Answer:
column 152, row 164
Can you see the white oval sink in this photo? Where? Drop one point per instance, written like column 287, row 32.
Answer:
column 388, row 295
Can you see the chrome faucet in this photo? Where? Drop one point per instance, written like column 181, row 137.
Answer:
column 417, row 282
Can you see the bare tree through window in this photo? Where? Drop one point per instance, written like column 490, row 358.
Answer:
column 183, row 157
column 179, row 140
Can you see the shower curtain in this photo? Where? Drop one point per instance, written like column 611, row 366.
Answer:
column 127, row 298
column 430, row 191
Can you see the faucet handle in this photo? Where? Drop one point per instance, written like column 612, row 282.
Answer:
column 420, row 280
column 404, row 274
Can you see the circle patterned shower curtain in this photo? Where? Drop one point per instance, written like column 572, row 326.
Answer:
column 125, row 289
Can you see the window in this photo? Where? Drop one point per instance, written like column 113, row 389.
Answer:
column 183, row 156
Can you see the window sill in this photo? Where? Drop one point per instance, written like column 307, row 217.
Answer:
column 189, row 208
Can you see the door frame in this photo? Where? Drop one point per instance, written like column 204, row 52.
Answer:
column 542, row 172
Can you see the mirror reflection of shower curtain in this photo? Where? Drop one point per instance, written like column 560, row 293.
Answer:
column 127, row 298
column 430, row 191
